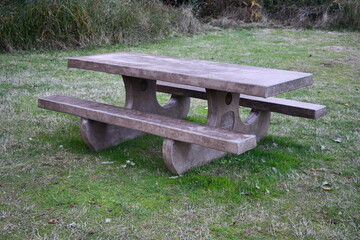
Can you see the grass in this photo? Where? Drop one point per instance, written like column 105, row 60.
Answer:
column 53, row 187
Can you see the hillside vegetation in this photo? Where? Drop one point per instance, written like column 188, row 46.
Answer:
column 67, row 23
column 58, row 24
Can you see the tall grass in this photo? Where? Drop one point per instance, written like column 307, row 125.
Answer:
column 296, row 13
column 67, row 23
column 245, row 10
column 349, row 16
column 314, row 13
column 54, row 24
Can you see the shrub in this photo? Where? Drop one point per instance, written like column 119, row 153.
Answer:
column 347, row 15
column 29, row 24
column 297, row 13
column 315, row 13
column 246, row 10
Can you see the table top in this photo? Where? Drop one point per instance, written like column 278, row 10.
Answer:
column 256, row 81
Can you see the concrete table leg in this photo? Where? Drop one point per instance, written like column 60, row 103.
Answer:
column 140, row 95
column 223, row 112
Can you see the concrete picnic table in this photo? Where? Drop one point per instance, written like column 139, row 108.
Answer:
column 186, row 144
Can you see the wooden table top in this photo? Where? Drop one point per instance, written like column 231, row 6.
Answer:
column 256, row 81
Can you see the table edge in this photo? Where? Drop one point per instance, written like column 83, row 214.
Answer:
column 249, row 89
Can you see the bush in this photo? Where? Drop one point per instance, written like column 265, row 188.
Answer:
column 347, row 15
column 297, row 13
column 49, row 24
column 246, row 10
column 315, row 13
column 30, row 24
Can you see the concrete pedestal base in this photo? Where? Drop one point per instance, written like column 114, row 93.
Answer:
column 223, row 112
column 140, row 95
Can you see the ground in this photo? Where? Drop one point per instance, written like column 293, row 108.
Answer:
column 301, row 182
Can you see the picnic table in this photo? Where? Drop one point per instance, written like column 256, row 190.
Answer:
column 186, row 144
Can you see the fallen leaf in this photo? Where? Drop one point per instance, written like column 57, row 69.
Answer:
column 53, row 221
column 106, row 163
column 326, row 186
column 313, row 169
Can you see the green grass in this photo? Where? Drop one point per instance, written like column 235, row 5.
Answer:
column 271, row 192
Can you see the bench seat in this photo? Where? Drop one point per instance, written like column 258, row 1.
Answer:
column 176, row 129
column 272, row 104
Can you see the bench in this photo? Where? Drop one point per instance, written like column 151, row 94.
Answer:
column 271, row 104
column 176, row 129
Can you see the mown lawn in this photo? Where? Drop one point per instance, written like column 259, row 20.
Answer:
column 301, row 182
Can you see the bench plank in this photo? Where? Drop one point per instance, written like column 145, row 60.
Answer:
column 255, row 81
column 272, row 104
column 166, row 127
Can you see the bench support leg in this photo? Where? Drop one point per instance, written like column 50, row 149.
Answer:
column 257, row 123
column 223, row 111
column 179, row 156
column 140, row 95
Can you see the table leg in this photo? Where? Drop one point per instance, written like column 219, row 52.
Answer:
column 223, row 112
column 140, row 95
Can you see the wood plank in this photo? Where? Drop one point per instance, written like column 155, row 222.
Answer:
column 273, row 104
column 255, row 81
column 166, row 127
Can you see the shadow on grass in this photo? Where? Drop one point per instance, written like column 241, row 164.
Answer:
column 145, row 151
column 139, row 191
column 254, row 174
column 276, row 154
